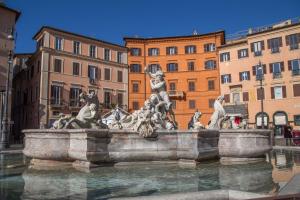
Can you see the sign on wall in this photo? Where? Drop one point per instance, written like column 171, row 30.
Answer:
column 280, row 120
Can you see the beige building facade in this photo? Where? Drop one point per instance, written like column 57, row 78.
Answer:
column 64, row 65
column 272, row 54
column 8, row 19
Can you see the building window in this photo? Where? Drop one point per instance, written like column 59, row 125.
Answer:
column 172, row 86
column 226, row 98
column 274, row 44
column 76, row 47
column 296, row 89
column 135, row 105
column 293, row 41
column 297, row 120
column 57, row 65
column 106, row 54
column 135, row 87
column 278, row 92
column 211, row 84
column 56, row 95
column 119, row 57
column 209, row 47
column 259, row 71
column 107, row 74
column 135, row 51
column 257, row 48
column 107, row 99
column 260, row 93
column 224, row 56
column 120, row 76
column 211, row 103
column 76, row 69
column 244, row 76
column 191, row 86
column 210, row 64
column 243, row 53
column 153, row 68
column 226, row 78
column 171, row 50
column 58, row 43
column 294, row 66
column 93, row 51
column 120, row 99
column 190, row 49
column 236, row 97
column 92, row 72
column 153, row 52
column 74, row 97
column 172, row 67
column 191, row 66
column 135, row 68
column 40, row 42
column 276, row 69
column 192, row 104
column 173, row 104
column 245, row 96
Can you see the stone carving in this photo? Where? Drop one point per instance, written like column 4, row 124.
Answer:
column 194, row 123
column 87, row 117
column 156, row 113
column 219, row 116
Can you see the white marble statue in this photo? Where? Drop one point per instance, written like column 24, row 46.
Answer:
column 219, row 114
column 194, row 123
column 156, row 113
column 88, row 116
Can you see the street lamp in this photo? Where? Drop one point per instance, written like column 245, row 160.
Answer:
column 4, row 139
column 260, row 77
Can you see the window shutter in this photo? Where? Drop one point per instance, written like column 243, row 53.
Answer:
column 221, row 57
column 254, row 70
column 175, row 50
column 282, row 66
column 240, row 76
column 248, row 75
column 89, row 71
column 252, row 47
column 271, row 67
column 227, row 98
column 229, row 78
column 96, row 74
column 239, row 53
column 264, row 68
column 284, row 91
column 168, row 50
column 262, row 45
column 186, row 49
column 298, row 37
column 222, row 78
column 272, row 93
column 158, row 52
column 287, row 40
column 245, row 96
column 149, row 52
column 296, row 88
column 280, row 41
column 195, row 47
column 289, row 65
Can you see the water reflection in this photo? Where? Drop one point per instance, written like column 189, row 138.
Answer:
column 106, row 182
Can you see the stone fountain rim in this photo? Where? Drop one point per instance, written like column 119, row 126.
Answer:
column 246, row 131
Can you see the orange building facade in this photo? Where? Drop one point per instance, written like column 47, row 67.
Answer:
column 191, row 72
column 272, row 54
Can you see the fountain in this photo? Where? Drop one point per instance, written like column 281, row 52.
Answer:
column 148, row 134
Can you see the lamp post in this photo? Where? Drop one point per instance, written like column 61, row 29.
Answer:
column 4, row 139
column 261, row 92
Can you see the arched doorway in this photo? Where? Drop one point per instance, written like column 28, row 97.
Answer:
column 258, row 120
column 280, row 119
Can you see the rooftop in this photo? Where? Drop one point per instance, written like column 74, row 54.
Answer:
column 75, row 34
column 18, row 13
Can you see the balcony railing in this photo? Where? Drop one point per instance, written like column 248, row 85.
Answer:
column 257, row 53
column 259, row 77
column 275, row 50
column 277, row 75
column 56, row 102
column 296, row 72
column 175, row 93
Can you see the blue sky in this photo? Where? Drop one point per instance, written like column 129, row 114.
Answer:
column 111, row 20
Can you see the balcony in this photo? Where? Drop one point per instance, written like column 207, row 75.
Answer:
column 277, row 75
column 296, row 72
column 275, row 50
column 175, row 93
column 56, row 102
column 259, row 77
column 257, row 53
column 92, row 81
